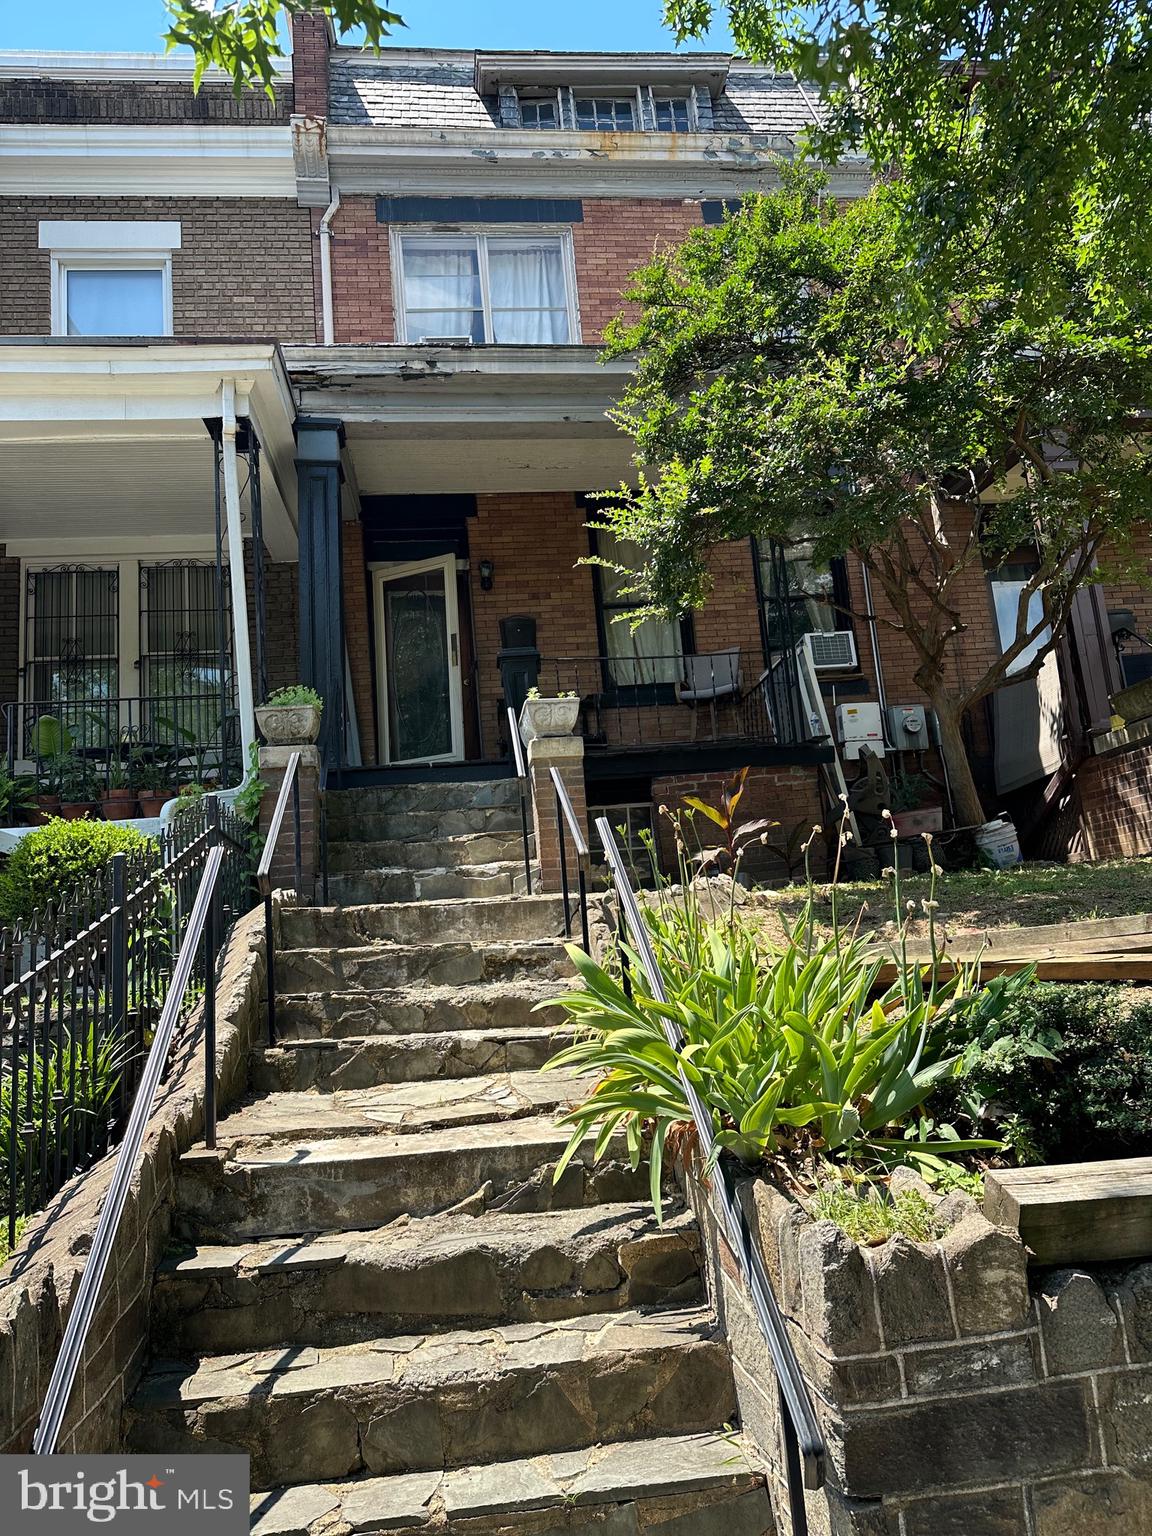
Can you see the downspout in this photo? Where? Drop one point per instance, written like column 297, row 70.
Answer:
column 876, row 662
column 328, row 321
column 237, row 584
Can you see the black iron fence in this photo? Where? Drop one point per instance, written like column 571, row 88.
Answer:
column 670, row 699
column 83, row 987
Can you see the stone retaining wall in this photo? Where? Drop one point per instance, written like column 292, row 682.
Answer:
column 960, row 1394
column 40, row 1280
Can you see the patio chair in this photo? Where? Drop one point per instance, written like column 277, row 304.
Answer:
column 708, row 677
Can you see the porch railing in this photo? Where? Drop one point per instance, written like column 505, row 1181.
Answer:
column 524, row 782
column 673, row 699
column 83, row 987
column 99, row 744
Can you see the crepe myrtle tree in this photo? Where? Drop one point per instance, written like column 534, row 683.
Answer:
column 777, row 393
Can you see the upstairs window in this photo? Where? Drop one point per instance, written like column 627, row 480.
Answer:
column 645, row 108
column 111, row 277
column 606, row 114
column 486, row 288
column 540, row 113
column 673, row 114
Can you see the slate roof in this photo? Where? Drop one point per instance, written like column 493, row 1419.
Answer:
column 437, row 92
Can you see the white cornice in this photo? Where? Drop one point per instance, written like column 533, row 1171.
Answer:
column 186, row 160
column 527, row 162
column 587, row 69
column 41, row 64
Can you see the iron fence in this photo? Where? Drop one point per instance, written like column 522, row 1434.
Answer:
column 83, row 986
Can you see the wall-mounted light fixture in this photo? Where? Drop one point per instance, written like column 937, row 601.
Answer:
column 486, row 572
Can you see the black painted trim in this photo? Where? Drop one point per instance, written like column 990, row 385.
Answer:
column 479, row 210
column 722, row 756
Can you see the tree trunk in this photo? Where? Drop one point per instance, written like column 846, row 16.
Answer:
column 968, row 810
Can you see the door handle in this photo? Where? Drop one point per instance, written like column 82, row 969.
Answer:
column 455, row 652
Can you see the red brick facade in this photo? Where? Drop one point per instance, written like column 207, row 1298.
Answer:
column 788, row 796
column 244, row 267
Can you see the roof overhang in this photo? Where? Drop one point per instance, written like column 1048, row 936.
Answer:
column 61, row 64
column 107, row 439
column 185, row 159
column 600, row 70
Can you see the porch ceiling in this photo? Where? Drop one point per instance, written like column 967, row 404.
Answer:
column 393, row 461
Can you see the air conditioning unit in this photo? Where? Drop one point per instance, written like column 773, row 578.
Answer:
column 831, row 650
column 445, row 341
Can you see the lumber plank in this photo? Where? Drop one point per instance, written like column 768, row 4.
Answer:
column 1076, row 1213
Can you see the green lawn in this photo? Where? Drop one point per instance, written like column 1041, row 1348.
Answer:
column 1025, row 896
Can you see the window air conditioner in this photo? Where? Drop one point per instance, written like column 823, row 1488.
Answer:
column 831, row 650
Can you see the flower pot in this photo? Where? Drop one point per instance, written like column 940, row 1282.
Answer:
column 926, row 818
column 548, row 717
column 76, row 810
column 153, row 802
column 289, row 725
column 47, row 806
column 118, row 804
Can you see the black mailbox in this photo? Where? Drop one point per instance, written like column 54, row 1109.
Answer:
column 518, row 659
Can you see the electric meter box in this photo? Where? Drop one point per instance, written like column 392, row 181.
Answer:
column 908, row 728
column 859, row 725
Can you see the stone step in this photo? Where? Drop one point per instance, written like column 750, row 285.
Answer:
column 417, row 922
column 677, row 1485
column 460, row 795
column 375, row 968
column 472, row 882
column 423, row 1402
column 434, row 1272
column 403, row 1108
column 420, row 1009
column 281, row 1189
column 421, row 826
column 475, row 848
column 365, row 1061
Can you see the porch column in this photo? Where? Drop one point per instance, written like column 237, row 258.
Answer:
column 241, row 649
column 318, row 446
column 566, row 755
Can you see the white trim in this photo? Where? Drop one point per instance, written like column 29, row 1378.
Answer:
column 109, row 234
column 113, row 159
column 61, row 64
column 599, row 71
column 482, row 234
column 65, row 262
column 382, row 571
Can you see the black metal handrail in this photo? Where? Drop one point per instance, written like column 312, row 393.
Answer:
column 804, row 1448
column 525, row 792
column 566, row 815
column 289, row 788
column 203, row 932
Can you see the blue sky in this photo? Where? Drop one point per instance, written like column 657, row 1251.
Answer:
column 136, row 25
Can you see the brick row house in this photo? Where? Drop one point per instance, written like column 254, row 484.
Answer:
column 308, row 388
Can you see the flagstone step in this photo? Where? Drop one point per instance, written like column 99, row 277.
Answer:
column 420, row 1009
column 404, row 1108
column 431, row 1401
column 402, row 884
column 373, row 968
column 346, row 825
column 439, row 922
column 473, row 848
column 677, row 1485
column 365, row 1061
column 433, row 1272
column 463, row 794
column 274, row 1189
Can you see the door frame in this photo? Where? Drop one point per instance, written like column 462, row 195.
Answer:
column 387, row 570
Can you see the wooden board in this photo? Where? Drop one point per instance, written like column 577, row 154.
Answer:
column 1076, row 1213
column 1073, row 966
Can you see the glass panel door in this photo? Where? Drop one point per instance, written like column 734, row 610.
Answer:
column 416, row 614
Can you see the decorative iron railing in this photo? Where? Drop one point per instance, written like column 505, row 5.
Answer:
column 525, row 785
column 83, row 987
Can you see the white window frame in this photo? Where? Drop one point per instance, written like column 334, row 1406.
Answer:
column 525, row 97
column 108, row 245
column 561, row 234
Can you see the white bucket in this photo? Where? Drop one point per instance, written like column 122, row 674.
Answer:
column 999, row 844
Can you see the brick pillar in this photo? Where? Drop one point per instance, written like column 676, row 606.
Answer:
column 273, row 762
column 312, row 38
column 565, row 753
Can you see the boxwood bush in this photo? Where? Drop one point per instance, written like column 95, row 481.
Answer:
column 51, row 861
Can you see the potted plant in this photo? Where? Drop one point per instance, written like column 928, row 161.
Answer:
column 17, row 798
column 554, row 715
column 152, row 782
column 290, row 717
column 51, row 745
column 118, row 798
column 908, row 801
column 77, row 788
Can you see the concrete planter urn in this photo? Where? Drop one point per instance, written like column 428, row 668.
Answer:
column 289, row 725
column 548, row 717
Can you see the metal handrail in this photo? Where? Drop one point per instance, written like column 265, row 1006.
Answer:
column 289, row 787
column 566, row 814
column 200, row 924
column 525, row 791
column 804, row 1448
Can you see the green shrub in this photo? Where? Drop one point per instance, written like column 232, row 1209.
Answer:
column 54, row 859
column 1069, row 1077
column 298, row 693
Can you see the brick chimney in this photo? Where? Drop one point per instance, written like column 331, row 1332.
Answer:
column 312, row 38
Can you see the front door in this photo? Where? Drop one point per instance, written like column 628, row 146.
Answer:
column 418, row 642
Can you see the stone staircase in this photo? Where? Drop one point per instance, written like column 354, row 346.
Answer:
column 383, row 1296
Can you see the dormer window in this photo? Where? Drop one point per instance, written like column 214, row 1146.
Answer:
column 642, row 109
column 606, row 114
column 674, row 114
column 542, row 112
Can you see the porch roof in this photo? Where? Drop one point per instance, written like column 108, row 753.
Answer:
column 450, row 418
column 104, row 439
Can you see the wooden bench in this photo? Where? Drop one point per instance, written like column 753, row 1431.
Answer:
column 1076, row 1213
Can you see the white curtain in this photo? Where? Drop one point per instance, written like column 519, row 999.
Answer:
column 442, row 291
column 529, row 300
column 104, row 302
column 650, row 653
